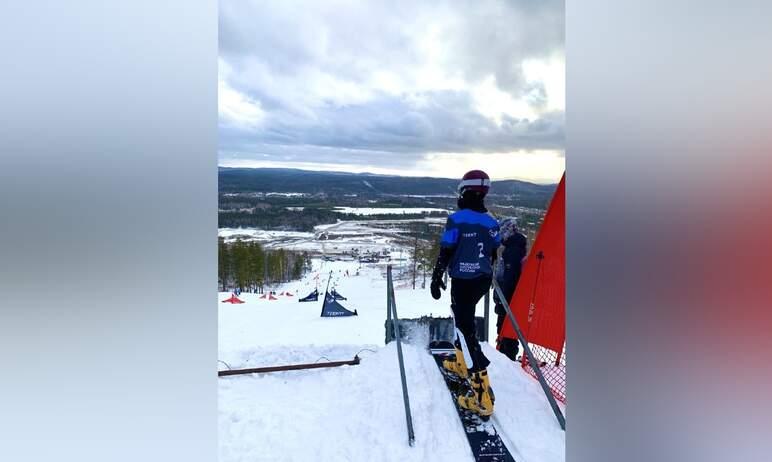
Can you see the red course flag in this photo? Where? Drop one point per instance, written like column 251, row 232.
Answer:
column 232, row 299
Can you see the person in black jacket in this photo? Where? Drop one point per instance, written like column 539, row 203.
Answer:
column 507, row 275
column 467, row 251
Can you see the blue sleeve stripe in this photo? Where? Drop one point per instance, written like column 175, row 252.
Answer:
column 449, row 237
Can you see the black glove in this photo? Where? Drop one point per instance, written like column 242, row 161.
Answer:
column 435, row 287
column 439, row 269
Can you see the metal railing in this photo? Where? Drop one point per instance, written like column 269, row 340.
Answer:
column 486, row 316
column 391, row 308
column 288, row 367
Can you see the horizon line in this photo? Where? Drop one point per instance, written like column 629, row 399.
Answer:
column 383, row 174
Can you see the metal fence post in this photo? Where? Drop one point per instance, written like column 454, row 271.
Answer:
column 389, row 322
column 397, row 335
column 487, row 314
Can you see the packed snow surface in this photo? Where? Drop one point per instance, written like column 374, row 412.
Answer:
column 355, row 413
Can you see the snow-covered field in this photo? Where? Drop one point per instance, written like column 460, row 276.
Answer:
column 260, row 234
column 429, row 196
column 355, row 413
column 287, row 194
column 343, row 237
column 387, row 210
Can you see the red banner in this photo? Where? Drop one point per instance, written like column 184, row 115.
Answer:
column 539, row 302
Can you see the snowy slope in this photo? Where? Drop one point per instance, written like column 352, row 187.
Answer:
column 355, row 413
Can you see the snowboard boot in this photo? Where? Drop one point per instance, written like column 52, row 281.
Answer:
column 457, row 365
column 481, row 401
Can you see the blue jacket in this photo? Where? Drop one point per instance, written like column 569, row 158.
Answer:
column 473, row 237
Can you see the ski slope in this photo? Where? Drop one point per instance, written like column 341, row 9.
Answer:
column 355, row 413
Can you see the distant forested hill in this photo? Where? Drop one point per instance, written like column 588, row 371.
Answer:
column 243, row 180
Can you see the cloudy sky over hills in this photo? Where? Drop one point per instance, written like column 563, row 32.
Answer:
column 412, row 88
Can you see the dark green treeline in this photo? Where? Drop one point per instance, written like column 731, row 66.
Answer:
column 249, row 267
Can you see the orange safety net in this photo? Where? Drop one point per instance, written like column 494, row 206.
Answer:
column 539, row 299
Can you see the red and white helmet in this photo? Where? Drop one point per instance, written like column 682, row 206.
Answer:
column 475, row 180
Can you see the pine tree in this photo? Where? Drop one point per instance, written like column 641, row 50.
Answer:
column 223, row 262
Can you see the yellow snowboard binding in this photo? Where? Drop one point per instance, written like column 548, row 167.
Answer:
column 481, row 402
column 457, row 365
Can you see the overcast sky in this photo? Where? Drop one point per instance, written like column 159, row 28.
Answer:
column 430, row 88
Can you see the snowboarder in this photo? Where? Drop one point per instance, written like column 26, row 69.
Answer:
column 507, row 274
column 467, row 251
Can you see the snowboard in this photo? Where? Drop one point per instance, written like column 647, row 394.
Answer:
column 484, row 440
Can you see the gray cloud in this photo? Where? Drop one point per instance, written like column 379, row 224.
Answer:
column 331, row 76
column 446, row 123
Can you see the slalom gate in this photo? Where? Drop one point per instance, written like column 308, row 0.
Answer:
column 538, row 303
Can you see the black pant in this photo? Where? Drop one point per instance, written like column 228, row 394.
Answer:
column 507, row 346
column 500, row 316
column 464, row 295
